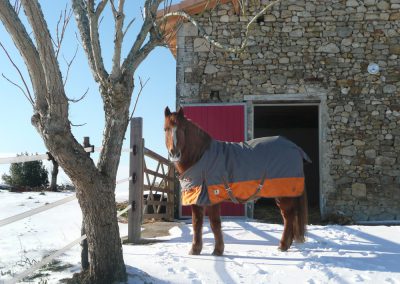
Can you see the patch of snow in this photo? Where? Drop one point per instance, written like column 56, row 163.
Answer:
column 332, row 254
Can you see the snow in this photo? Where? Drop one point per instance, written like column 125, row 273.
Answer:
column 332, row 254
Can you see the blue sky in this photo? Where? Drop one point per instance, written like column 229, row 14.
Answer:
column 16, row 132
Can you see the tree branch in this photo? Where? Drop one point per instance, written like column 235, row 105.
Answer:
column 100, row 8
column 119, row 23
column 81, row 98
column 151, row 7
column 28, row 51
column 217, row 44
column 60, row 36
column 142, row 85
column 128, row 26
column 82, row 21
column 143, row 53
column 93, row 16
column 48, row 60
column 69, row 63
column 27, row 94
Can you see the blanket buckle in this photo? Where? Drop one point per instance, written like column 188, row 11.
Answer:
column 251, row 198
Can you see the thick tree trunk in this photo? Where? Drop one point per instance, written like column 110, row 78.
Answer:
column 101, row 225
column 54, row 174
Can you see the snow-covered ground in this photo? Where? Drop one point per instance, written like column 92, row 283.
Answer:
column 332, row 254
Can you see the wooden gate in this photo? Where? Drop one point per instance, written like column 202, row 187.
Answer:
column 151, row 187
column 158, row 187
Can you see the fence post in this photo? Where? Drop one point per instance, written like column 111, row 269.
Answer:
column 171, row 188
column 136, row 183
column 84, row 244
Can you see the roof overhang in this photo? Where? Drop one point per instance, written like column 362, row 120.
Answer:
column 191, row 7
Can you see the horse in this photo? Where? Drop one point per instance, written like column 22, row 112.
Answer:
column 189, row 147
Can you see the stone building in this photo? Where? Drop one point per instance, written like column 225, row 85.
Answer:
column 328, row 71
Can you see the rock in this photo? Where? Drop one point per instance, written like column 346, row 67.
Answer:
column 210, row 69
column 359, row 189
column 358, row 143
column 383, row 5
column 188, row 29
column 351, row 3
column 348, row 151
column 344, row 31
column 277, row 79
column 394, row 49
column 371, row 154
column 269, row 18
column 201, row 45
column 224, row 19
column 384, row 161
column 394, row 16
column 389, row 89
column 329, row 48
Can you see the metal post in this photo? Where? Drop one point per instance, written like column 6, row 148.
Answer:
column 136, row 183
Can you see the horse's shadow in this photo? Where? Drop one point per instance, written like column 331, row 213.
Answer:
column 367, row 253
column 139, row 276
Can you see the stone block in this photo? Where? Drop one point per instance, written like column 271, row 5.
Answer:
column 359, row 189
column 384, row 161
column 277, row 79
column 383, row 5
column 370, row 154
column 210, row 69
column 348, row 151
column 201, row 45
column 344, row 31
column 394, row 16
column 329, row 48
column 188, row 29
column 351, row 3
column 224, row 19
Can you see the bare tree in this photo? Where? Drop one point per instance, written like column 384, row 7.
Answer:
column 95, row 183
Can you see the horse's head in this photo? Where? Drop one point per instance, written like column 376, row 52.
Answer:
column 174, row 128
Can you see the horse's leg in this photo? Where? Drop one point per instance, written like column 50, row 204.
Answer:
column 286, row 205
column 215, row 221
column 197, row 221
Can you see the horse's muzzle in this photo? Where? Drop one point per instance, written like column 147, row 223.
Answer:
column 175, row 157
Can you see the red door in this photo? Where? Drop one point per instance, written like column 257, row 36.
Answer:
column 225, row 123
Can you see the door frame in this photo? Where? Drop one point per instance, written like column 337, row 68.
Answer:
column 316, row 98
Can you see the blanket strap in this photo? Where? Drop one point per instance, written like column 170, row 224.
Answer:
column 251, row 198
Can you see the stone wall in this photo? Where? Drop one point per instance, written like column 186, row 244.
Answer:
column 300, row 46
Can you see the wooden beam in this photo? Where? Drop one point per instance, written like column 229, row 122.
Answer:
column 135, row 215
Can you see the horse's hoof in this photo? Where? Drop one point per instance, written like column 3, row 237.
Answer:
column 194, row 252
column 283, row 248
column 217, row 253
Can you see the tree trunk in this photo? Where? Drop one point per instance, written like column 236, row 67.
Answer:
column 101, row 225
column 54, row 173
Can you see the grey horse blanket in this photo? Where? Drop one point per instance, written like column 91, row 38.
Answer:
column 263, row 167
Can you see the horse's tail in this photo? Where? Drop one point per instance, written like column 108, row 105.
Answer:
column 301, row 218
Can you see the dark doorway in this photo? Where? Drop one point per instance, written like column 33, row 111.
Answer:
column 299, row 124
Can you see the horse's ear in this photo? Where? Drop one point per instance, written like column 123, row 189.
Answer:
column 167, row 112
column 180, row 112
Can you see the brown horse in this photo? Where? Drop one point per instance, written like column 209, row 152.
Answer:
column 186, row 144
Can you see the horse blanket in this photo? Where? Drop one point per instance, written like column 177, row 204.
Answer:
column 263, row 167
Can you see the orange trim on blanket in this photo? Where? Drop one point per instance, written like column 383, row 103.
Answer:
column 277, row 187
column 190, row 197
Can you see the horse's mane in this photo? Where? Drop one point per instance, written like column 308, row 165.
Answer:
column 197, row 141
